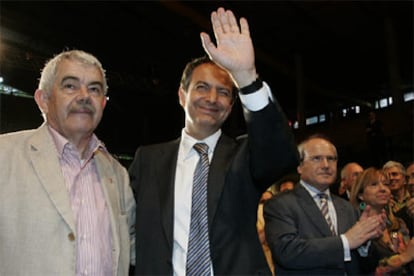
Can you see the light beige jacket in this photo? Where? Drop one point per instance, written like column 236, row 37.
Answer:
column 37, row 228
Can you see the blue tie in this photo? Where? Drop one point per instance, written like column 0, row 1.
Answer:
column 198, row 254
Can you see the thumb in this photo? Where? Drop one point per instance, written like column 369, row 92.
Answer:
column 365, row 214
column 208, row 45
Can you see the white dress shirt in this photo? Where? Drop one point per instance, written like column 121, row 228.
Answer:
column 186, row 162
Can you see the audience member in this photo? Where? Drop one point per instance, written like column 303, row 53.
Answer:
column 410, row 179
column 397, row 176
column 393, row 251
column 307, row 240
column 240, row 170
column 286, row 183
column 407, row 212
column 260, row 229
column 66, row 207
column 349, row 173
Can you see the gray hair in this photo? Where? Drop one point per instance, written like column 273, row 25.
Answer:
column 49, row 71
column 392, row 164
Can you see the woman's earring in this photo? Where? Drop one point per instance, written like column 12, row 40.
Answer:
column 362, row 206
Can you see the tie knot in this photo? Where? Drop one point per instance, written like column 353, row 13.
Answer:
column 201, row 148
column 323, row 196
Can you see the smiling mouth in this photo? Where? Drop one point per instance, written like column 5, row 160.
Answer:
column 208, row 110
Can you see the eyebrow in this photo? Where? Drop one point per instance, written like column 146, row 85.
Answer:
column 77, row 79
column 70, row 78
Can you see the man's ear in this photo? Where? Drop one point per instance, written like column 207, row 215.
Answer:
column 104, row 101
column 42, row 100
column 181, row 96
column 299, row 169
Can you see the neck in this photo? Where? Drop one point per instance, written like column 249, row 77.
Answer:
column 81, row 143
column 399, row 194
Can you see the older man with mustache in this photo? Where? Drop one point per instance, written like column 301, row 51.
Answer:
column 66, row 207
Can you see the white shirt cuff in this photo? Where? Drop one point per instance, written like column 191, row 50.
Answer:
column 347, row 251
column 257, row 100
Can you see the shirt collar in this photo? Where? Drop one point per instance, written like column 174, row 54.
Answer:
column 187, row 142
column 313, row 191
column 61, row 142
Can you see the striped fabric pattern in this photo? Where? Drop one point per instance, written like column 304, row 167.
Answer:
column 198, row 255
column 325, row 212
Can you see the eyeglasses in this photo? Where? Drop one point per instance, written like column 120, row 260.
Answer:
column 320, row 158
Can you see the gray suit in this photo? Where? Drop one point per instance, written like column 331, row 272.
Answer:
column 299, row 236
column 37, row 228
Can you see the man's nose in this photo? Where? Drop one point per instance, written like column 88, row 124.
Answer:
column 212, row 95
column 83, row 92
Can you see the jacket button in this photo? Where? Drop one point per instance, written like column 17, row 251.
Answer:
column 71, row 236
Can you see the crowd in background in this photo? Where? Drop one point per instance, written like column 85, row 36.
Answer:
column 388, row 188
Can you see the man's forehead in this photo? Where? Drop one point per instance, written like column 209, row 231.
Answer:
column 77, row 70
column 319, row 145
column 393, row 169
column 209, row 72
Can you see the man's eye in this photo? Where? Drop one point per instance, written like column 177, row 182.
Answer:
column 201, row 87
column 69, row 86
column 331, row 158
column 224, row 92
column 95, row 90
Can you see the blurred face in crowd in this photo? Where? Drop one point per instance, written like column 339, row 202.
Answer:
column 75, row 104
column 318, row 163
column 208, row 100
column 376, row 191
column 266, row 196
column 286, row 186
column 352, row 170
column 410, row 179
column 397, row 179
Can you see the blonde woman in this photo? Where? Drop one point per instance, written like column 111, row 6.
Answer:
column 393, row 252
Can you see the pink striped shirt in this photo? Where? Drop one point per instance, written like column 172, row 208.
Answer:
column 90, row 210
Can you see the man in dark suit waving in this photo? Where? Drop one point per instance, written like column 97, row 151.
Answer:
column 239, row 169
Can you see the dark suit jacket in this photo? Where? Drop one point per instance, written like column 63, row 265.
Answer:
column 239, row 172
column 403, row 214
column 299, row 236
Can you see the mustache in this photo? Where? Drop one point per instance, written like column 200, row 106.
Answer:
column 82, row 107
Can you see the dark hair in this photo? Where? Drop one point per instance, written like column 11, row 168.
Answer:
column 189, row 69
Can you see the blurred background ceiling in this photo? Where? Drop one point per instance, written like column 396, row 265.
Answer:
column 341, row 53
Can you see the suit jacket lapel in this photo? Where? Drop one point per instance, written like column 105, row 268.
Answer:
column 340, row 208
column 311, row 210
column 111, row 194
column 166, row 162
column 217, row 174
column 44, row 157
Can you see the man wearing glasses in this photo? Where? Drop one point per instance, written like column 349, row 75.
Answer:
column 311, row 231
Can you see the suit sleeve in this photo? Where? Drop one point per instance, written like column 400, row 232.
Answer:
column 294, row 241
column 272, row 147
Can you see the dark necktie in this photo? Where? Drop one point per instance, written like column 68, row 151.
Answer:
column 198, row 254
column 325, row 211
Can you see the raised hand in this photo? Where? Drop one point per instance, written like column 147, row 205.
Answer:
column 234, row 51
